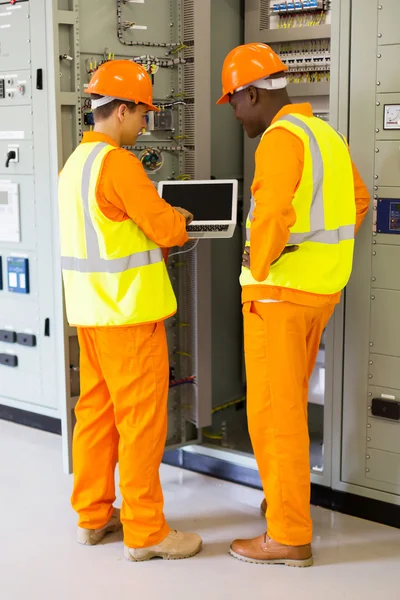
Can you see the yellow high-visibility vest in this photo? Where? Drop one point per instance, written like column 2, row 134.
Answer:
column 113, row 274
column 325, row 214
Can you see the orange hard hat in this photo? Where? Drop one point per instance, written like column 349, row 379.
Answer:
column 123, row 80
column 247, row 64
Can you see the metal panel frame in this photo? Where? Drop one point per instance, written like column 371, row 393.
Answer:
column 202, row 85
column 357, row 318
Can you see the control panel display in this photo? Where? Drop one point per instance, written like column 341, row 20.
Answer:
column 388, row 215
column 394, row 221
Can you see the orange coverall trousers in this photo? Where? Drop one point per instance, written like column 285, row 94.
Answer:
column 281, row 347
column 122, row 417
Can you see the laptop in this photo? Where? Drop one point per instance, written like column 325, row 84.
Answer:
column 213, row 204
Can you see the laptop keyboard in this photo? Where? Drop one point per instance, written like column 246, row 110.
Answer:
column 208, row 228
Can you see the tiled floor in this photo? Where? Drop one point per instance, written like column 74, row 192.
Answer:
column 39, row 559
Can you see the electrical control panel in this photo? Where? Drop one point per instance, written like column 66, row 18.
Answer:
column 30, row 292
column 301, row 13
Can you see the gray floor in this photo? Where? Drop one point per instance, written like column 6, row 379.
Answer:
column 39, row 559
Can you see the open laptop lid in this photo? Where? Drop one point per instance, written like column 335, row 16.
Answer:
column 210, row 201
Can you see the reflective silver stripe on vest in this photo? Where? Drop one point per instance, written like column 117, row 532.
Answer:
column 332, row 236
column 116, row 265
column 318, row 233
column 94, row 263
column 317, row 216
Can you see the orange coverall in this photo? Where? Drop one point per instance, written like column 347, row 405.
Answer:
column 282, row 338
column 122, row 411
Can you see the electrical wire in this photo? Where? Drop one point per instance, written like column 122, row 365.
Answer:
column 186, row 381
column 213, row 436
column 120, row 33
column 228, row 405
column 184, row 251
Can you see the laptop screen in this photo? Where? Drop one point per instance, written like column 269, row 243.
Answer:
column 206, row 201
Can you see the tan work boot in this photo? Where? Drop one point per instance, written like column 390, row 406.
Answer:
column 264, row 551
column 175, row 546
column 263, row 507
column 91, row 537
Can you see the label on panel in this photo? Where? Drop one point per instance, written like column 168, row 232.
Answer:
column 12, row 135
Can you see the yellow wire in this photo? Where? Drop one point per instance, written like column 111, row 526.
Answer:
column 211, row 436
column 181, row 47
column 228, row 405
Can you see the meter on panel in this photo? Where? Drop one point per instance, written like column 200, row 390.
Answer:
column 392, row 116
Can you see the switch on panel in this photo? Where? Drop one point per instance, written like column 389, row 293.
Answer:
column 12, row 155
column 9, row 337
column 26, row 339
column 18, row 275
column 9, row 360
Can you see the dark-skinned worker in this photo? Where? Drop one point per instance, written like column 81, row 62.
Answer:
column 113, row 227
column 308, row 201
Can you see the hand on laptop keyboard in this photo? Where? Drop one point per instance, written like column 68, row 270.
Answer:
column 188, row 216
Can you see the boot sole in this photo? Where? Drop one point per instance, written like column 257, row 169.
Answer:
column 162, row 555
column 302, row 564
column 95, row 538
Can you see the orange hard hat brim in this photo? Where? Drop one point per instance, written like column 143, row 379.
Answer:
column 224, row 99
column 151, row 107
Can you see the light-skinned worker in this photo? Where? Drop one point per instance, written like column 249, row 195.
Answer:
column 113, row 228
column 308, row 201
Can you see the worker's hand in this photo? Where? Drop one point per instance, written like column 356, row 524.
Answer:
column 185, row 213
column 286, row 250
column 246, row 255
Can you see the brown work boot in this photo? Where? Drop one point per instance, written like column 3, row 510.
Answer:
column 264, row 551
column 263, row 507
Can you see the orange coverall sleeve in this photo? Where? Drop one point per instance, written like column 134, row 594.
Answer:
column 125, row 185
column 279, row 168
